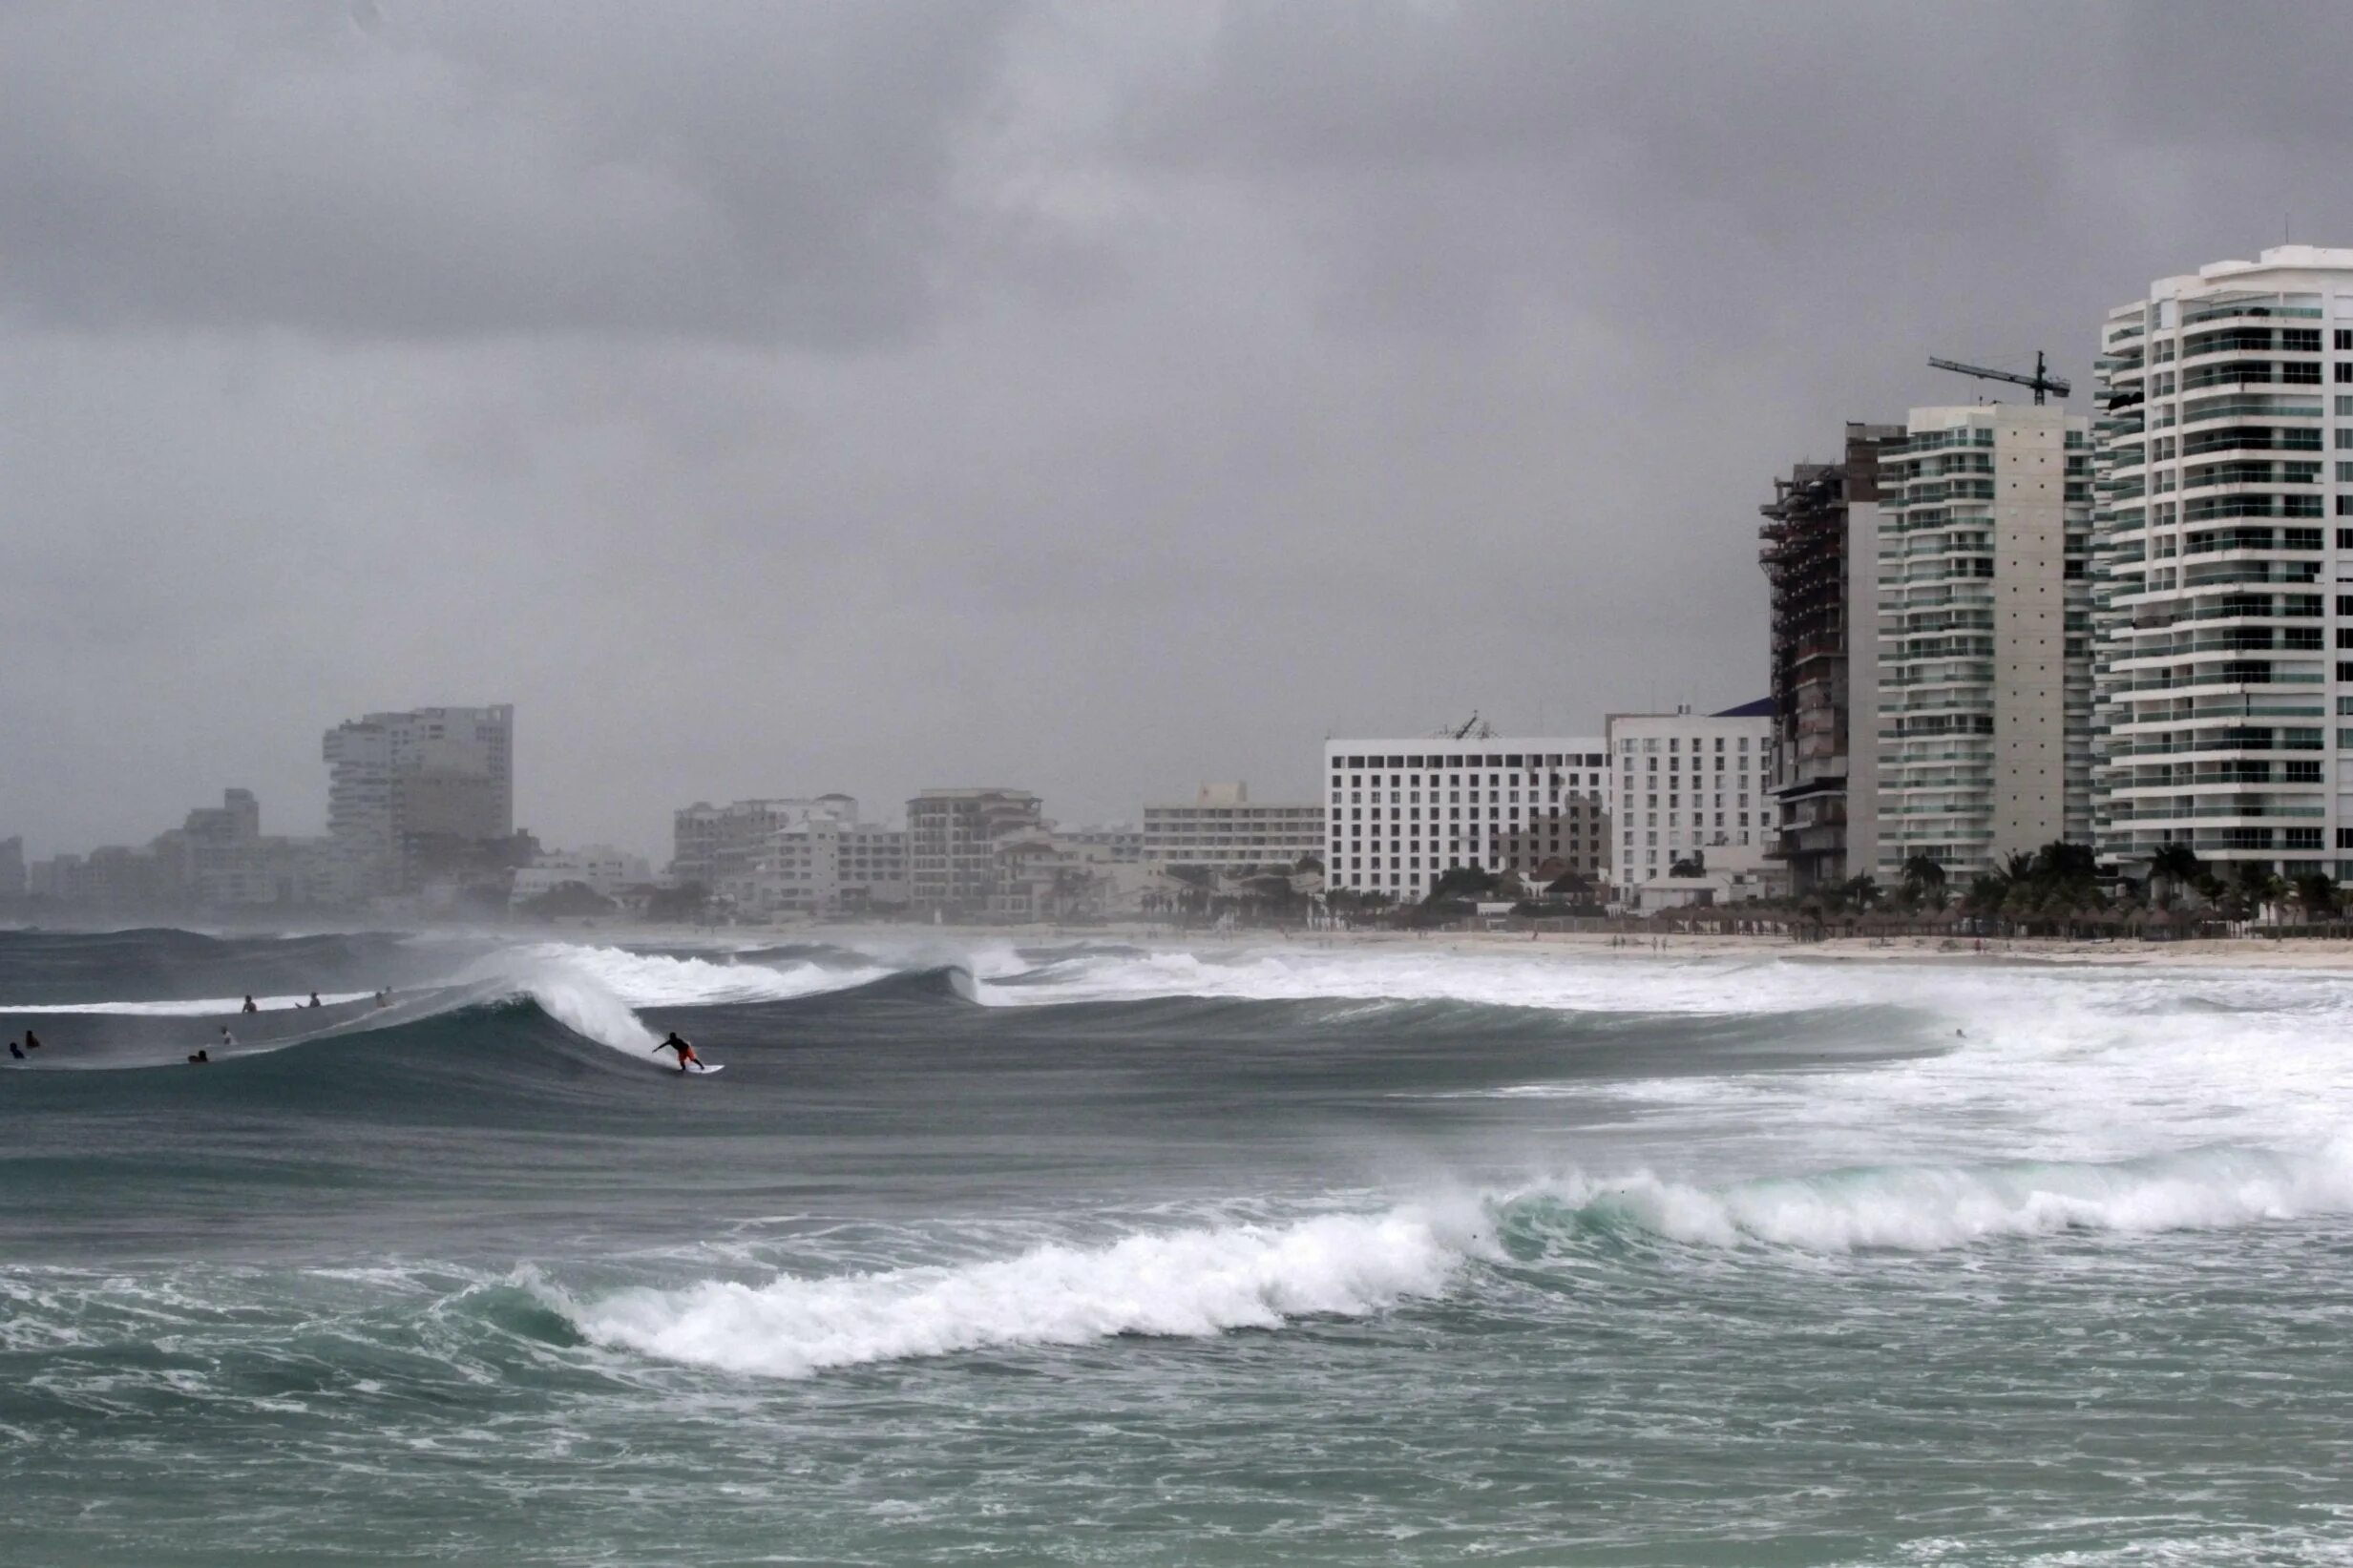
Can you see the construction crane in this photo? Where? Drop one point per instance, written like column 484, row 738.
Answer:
column 2042, row 380
column 1466, row 728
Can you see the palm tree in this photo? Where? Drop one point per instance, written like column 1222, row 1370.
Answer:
column 1863, row 892
column 2175, row 864
column 2316, row 896
column 2258, row 885
column 1923, row 881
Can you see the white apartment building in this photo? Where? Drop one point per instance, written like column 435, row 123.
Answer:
column 2224, row 566
column 830, row 865
column 445, row 772
column 599, row 868
column 1399, row 813
column 1225, row 831
column 1688, row 786
column 1985, row 671
column 711, row 844
column 1121, row 844
column 952, row 842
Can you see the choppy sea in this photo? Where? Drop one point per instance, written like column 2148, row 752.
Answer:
column 1098, row 1253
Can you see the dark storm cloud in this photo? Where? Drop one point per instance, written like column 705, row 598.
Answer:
column 773, row 398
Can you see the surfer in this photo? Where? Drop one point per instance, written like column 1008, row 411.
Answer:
column 227, row 1039
column 16, row 1051
column 200, row 1057
column 685, row 1052
column 249, row 1006
column 314, row 1000
column 30, row 1042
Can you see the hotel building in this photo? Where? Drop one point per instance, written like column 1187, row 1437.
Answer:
column 1399, row 813
column 1691, row 786
column 1225, row 831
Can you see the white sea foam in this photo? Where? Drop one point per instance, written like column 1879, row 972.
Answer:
column 1933, row 1208
column 1192, row 1283
column 198, row 1006
column 1303, row 972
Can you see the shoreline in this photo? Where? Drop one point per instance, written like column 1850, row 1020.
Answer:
column 2316, row 955
column 2320, row 954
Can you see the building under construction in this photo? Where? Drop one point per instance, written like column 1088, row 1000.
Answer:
column 1820, row 557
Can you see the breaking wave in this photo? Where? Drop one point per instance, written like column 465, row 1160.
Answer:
column 1189, row 1283
column 1209, row 1280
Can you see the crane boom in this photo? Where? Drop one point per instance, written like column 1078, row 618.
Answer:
column 2042, row 380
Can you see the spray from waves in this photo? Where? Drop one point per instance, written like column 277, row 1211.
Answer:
column 1554, row 980
column 1936, row 1208
column 594, row 992
column 1193, row 1284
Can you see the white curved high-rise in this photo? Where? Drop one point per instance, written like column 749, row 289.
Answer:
column 2223, row 526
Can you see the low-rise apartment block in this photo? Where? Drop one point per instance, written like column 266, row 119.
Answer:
column 1223, row 829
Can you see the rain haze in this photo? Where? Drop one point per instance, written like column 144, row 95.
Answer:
column 769, row 399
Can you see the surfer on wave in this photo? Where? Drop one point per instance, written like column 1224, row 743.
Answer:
column 685, row 1052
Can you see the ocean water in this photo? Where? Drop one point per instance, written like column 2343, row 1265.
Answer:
column 1096, row 1253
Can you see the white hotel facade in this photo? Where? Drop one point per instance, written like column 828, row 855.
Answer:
column 2224, row 567
column 1691, row 786
column 1400, row 812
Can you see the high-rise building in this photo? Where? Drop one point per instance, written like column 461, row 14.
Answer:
column 12, row 868
column 1820, row 557
column 952, row 844
column 1400, row 814
column 399, row 781
column 1223, row 829
column 1985, row 671
column 1690, row 788
column 2224, row 619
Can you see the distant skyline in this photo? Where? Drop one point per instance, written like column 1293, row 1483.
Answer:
column 776, row 399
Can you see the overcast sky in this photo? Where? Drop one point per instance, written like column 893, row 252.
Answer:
column 771, row 399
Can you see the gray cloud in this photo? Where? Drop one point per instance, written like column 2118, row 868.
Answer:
column 1102, row 399
column 773, row 172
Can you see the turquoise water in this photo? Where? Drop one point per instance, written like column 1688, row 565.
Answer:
column 1092, row 1253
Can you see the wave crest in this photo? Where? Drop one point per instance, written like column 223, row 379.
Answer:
column 1192, row 1284
column 1937, row 1208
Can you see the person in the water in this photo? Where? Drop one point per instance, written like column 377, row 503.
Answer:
column 16, row 1051
column 227, row 1039
column 314, row 1000
column 685, row 1052
column 200, row 1057
column 249, row 1006
column 32, row 1041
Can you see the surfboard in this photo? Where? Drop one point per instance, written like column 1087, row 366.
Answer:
column 699, row 1067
